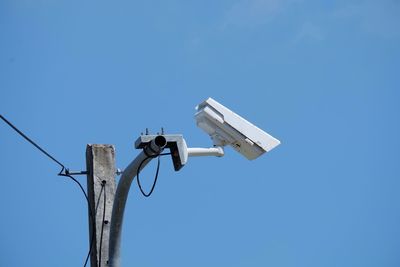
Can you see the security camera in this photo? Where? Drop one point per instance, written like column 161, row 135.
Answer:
column 224, row 127
column 228, row 128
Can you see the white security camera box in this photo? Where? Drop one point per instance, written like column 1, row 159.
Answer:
column 228, row 128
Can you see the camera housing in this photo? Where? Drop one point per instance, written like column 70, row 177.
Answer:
column 176, row 144
column 225, row 127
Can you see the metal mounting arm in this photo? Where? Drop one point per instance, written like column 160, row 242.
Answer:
column 154, row 148
column 212, row 151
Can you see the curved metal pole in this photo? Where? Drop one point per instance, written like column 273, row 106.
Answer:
column 121, row 195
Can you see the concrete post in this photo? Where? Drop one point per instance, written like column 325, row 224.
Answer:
column 100, row 161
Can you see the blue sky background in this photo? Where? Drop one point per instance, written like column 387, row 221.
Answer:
column 322, row 76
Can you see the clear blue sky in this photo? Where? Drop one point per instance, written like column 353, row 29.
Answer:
column 322, row 76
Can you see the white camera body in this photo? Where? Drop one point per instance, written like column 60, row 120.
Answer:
column 228, row 128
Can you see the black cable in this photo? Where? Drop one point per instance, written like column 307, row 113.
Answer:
column 33, row 143
column 94, row 225
column 63, row 172
column 98, row 200
column 156, row 176
column 91, row 244
column 103, row 184
column 78, row 183
column 90, row 214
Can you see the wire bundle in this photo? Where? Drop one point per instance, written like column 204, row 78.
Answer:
column 65, row 173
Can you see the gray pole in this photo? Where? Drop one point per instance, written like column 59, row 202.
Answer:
column 153, row 149
column 100, row 161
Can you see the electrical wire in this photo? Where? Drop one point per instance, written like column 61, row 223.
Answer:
column 156, row 176
column 155, row 179
column 63, row 172
column 33, row 143
column 90, row 214
column 95, row 213
column 103, row 184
